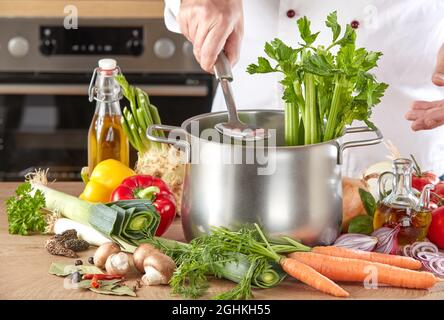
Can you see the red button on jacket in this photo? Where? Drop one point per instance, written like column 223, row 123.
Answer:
column 291, row 13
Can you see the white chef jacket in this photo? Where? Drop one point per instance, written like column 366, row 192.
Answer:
column 408, row 32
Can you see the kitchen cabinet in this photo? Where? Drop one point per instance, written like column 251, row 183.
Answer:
column 86, row 8
column 28, row 259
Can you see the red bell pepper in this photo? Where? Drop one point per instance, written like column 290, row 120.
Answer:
column 153, row 189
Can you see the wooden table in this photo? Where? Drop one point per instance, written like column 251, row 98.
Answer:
column 24, row 265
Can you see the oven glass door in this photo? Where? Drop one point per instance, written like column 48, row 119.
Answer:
column 46, row 125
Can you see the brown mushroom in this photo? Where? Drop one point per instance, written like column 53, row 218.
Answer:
column 103, row 252
column 117, row 263
column 143, row 251
column 159, row 269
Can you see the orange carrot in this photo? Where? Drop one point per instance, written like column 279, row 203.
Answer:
column 397, row 261
column 355, row 270
column 311, row 277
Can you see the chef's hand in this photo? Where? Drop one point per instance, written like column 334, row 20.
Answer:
column 427, row 115
column 212, row 25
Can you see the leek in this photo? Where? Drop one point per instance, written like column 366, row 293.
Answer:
column 128, row 222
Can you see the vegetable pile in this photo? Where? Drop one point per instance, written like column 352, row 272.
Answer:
column 323, row 91
column 239, row 256
column 272, row 258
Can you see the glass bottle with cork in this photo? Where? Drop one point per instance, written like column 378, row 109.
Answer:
column 106, row 138
column 401, row 206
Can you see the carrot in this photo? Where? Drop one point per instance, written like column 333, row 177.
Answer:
column 311, row 277
column 355, row 270
column 397, row 261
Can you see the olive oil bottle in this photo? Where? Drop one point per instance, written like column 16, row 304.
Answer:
column 106, row 138
column 402, row 206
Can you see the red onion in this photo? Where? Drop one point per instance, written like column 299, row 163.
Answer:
column 426, row 256
column 437, row 265
column 429, row 255
column 407, row 250
column 423, row 246
column 356, row 241
column 387, row 239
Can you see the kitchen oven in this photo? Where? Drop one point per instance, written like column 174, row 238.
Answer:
column 44, row 74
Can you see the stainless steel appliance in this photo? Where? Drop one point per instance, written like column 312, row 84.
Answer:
column 300, row 194
column 44, row 74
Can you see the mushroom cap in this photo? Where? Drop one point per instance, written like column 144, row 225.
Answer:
column 103, row 252
column 139, row 255
column 117, row 263
column 162, row 263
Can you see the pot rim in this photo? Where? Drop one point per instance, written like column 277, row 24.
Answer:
column 208, row 114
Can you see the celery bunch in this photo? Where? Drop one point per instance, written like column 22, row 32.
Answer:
column 325, row 88
column 138, row 117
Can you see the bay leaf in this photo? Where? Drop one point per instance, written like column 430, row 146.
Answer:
column 63, row 270
column 118, row 291
column 84, row 284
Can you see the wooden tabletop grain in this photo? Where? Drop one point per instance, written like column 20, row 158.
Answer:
column 24, row 265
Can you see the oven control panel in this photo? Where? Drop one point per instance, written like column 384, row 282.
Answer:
column 44, row 45
column 91, row 40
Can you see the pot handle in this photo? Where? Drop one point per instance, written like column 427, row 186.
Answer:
column 359, row 143
column 180, row 144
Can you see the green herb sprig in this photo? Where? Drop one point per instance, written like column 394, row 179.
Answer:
column 24, row 210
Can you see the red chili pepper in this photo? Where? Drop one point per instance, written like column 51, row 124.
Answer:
column 153, row 189
column 95, row 282
column 100, row 276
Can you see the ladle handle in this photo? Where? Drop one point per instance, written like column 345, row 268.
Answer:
column 222, row 68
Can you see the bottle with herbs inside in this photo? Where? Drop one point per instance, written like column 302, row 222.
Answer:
column 106, row 138
column 400, row 206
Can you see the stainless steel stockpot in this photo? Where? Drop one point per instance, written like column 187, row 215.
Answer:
column 296, row 191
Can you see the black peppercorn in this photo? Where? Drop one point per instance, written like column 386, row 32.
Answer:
column 78, row 262
column 91, row 260
column 76, row 277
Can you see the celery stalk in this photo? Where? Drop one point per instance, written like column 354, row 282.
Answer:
column 334, row 109
column 291, row 124
column 311, row 127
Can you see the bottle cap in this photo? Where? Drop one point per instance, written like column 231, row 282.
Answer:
column 107, row 64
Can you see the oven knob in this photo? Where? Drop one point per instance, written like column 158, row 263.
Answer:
column 187, row 49
column 164, row 48
column 47, row 47
column 18, row 47
column 135, row 47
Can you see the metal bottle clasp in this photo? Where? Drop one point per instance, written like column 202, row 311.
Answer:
column 92, row 89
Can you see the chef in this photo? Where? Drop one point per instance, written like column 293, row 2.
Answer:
column 408, row 32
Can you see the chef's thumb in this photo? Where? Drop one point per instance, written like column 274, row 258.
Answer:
column 438, row 74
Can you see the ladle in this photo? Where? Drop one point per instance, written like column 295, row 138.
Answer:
column 234, row 128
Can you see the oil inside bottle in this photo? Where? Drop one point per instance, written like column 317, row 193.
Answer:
column 414, row 224
column 106, row 138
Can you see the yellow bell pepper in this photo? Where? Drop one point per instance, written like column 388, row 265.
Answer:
column 106, row 176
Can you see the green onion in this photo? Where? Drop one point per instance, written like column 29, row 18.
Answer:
column 139, row 117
